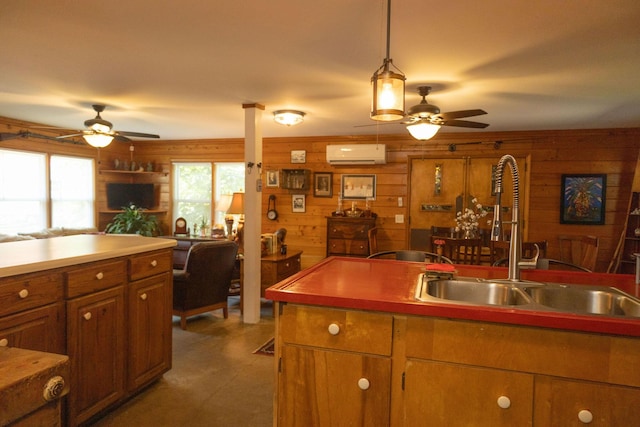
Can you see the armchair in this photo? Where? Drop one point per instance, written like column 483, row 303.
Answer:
column 203, row 284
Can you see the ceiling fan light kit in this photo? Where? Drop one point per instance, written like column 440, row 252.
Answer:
column 423, row 130
column 288, row 117
column 387, row 102
column 97, row 140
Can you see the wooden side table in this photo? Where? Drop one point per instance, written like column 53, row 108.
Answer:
column 273, row 269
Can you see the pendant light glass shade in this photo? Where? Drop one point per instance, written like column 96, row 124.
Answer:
column 98, row 140
column 387, row 102
column 423, row 130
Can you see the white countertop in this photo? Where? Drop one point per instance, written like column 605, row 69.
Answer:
column 27, row 256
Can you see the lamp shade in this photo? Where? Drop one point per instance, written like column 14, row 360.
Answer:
column 288, row 117
column 237, row 204
column 223, row 203
column 387, row 102
column 98, row 140
column 423, row 130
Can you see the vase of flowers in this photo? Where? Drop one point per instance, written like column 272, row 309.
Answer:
column 468, row 220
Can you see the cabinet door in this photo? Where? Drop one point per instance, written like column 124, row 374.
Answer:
column 149, row 329
column 95, row 339
column 40, row 329
column 560, row 403
column 330, row 388
column 444, row 394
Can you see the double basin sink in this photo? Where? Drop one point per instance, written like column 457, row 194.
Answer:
column 577, row 299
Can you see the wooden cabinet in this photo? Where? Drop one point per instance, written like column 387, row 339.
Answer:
column 277, row 267
column 348, row 236
column 32, row 315
column 149, row 314
column 631, row 238
column 96, row 339
column 335, row 367
column 296, row 180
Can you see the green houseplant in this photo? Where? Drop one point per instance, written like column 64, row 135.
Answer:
column 133, row 220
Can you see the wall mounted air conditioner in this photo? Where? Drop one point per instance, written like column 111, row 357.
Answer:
column 357, row 154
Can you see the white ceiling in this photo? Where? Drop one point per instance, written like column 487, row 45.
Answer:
column 183, row 69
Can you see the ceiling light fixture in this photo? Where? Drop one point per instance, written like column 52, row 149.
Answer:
column 423, row 129
column 387, row 103
column 288, row 117
column 97, row 140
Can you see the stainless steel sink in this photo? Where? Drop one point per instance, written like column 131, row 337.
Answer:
column 585, row 299
column 577, row 299
column 474, row 292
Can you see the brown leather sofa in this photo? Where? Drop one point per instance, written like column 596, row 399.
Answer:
column 203, row 284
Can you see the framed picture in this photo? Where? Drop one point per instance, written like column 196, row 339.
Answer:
column 358, row 187
column 323, row 184
column 583, row 199
column 273, row 178
column 298, row 203
column 298, row 156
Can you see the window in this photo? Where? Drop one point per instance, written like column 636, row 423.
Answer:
column 72, row 192
column 194, row 189
column 25, row 201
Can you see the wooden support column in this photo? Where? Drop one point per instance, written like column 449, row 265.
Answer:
column 252, row 206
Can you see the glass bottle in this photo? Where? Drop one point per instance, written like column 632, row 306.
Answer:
column 339, row 210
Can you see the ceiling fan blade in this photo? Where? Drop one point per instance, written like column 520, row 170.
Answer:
column 463, row 124
column 137, row 134
column 121, row 138
column 460, row 114
column 378, row 124
column 69, row 136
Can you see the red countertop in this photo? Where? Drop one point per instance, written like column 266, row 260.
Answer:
column 389, row 286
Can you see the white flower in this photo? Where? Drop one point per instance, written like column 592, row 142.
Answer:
column 468, row 219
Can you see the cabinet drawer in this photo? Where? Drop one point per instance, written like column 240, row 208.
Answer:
column 336, row 246
column 29, row 291
column 149, row 264
column 359, row 331
column 288, row 267
column 341, row 230
column 95, row 277
column 359, row 247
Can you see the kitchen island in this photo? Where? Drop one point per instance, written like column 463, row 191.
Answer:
column 103, row 300
column 354, row 347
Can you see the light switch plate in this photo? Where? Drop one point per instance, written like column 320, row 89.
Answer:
column 399, row 219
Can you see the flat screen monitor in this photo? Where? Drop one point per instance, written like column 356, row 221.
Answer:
column 125, row 194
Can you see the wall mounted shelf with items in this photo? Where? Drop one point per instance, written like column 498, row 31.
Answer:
column 296, row 179
column 114, row 171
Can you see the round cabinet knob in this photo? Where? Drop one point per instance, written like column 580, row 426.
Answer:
column 143, row 296
column 53, row 388
column 363, row 384
column 23, row 293
column 334, row 329
column 154, row 263
column 100, row 276
column 504, row 402
column 286, row 264
column 4, row 342
column 585, row 416
column 87, row 315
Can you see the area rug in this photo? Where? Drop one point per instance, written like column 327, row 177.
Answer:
column 266, row 349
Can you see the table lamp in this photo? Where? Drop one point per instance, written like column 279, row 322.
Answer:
column 237, row 208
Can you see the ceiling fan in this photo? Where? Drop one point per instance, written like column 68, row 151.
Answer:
column 99, row 132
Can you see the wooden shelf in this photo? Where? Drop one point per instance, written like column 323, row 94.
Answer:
column 132, row 172
column 116, row 211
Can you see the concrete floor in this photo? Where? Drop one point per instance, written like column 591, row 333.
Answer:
column 216, row 380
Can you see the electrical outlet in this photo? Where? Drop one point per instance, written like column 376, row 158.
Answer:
column 399, row 219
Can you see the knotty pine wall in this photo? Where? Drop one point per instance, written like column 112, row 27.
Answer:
column 610, row 151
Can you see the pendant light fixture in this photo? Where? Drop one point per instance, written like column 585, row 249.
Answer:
column 387, row 103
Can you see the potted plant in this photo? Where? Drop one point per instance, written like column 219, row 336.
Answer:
column 133, row 220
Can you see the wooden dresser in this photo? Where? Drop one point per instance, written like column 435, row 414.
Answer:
column 348, row 236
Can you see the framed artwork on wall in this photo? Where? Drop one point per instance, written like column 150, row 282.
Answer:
column 298, row 203
column 323, row 184
column 358, row 187
column 298, row 156
column 273, row 178
column 583, row 199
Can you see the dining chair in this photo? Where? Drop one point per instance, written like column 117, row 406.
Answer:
column 460, row 251
column 579, row 250
column 500, row 250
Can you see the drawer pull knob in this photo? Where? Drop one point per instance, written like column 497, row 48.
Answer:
column 504, row 402
column 100, row 276
column 143, row 296
column 286, row 265
column 53, row 388
column 87, row 315
column 585, row 416
column 363, row 383
column 23, row 293
column 154, row 263
column 334, row 329
column 4, row 342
